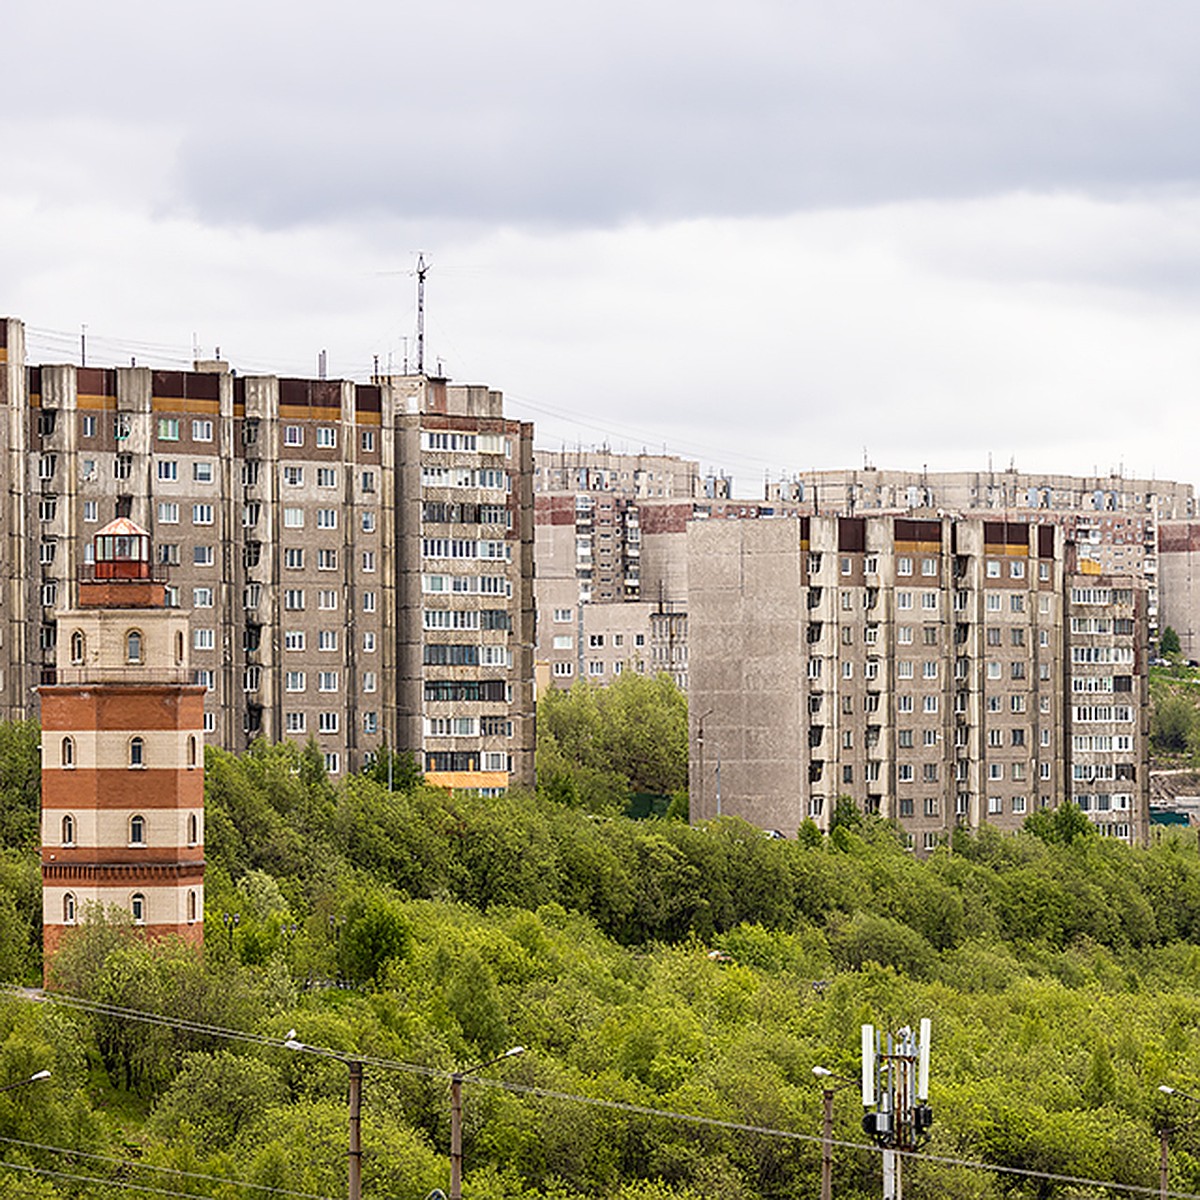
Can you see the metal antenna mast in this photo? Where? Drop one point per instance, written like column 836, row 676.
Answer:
column 422, row 271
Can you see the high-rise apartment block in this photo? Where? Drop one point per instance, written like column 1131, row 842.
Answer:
column 357, row 558
column 940, row 672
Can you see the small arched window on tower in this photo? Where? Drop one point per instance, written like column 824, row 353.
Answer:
column 191, row 752
column 137, row 904
column 68, row 830
column 78, row 648
column 191, row 908
column 69, row 909
column 137, row 752
column 68, row 752
column 137, row 831
column 193, row 829
column 179, row 648
column 133, row 646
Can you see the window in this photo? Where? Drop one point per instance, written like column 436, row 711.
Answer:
column 904, row 704
column 929, row 566
column 293, row 558
column 202, row 431
column 904, row 600
column 293, row 435
column 930, row 705
column 137, row 905
column 204, row 639
column 168, row 470
column 326, row 560
column 930, row 772
column 370, row 722
column 293, row 476
column 193, row 752
column 563, row 614
column 368, row 481
column 369, row 642
column 368, row 440
column 327, row 681
column 368, row 599
column 1016, row 570
column 293, row 518
column 202, row 556
column 295, row 722
column 293, row 599
column 68, row 909
column 327, row 477
column 168, row 514
column 293, row 639
column 905, row 739
column 333, row 763
column 368, row 522
column 904, row 635
column 78, row 647
column 904, row 566
column 368, row 561
column 326, row 518
column 370, row 681
column 133, row 646
column 91, row 511
column 327, row 600
column 294, row 681
column 168, row 429
column 327, row 639
column 327, row 436
column 202, row 514
column 88, row 428
column 327, row 722
column 202, row 597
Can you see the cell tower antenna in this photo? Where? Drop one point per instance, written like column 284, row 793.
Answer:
column 422, row 271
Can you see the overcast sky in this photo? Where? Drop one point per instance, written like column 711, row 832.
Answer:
column 771, row 235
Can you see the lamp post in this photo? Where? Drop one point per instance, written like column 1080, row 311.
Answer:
column 827, row 1092
column 36, row 1077
column 456, row 1082
column 354, row 1154
column 1164, row 1136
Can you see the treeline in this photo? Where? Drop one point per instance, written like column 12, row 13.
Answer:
column 643, row 963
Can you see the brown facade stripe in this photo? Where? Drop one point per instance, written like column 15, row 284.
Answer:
column 155, row 856
column 146, row 707
column 113, row 873
column 123, row 788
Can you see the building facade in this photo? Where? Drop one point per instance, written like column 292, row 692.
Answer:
column 123, row 753
column 940, row 672
column 357, row 558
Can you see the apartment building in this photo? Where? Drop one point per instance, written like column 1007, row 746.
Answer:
column 357, row 558
column 938, row 671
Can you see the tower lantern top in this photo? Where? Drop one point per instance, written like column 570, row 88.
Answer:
column 122, row 551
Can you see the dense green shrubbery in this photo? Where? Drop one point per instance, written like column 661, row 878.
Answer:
column 702, row 970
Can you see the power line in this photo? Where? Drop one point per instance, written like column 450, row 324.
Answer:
column 143, row 1166
column 570, row 1097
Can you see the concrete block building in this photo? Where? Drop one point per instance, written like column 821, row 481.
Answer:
column 940, row 672
column 357, row 558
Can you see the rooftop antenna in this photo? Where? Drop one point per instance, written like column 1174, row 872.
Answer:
column 422, row 271
column 83, row 345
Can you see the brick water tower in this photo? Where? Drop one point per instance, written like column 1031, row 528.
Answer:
column 122, row 752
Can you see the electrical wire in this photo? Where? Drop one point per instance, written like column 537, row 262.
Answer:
column 570, row 1097
column 144, row 1166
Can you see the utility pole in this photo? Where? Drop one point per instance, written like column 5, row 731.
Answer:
column 456, row 1151
column 355, row 1156
column 895, row 1083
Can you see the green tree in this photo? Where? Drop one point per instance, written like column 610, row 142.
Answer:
column 1174, row 723
column 1169, row 643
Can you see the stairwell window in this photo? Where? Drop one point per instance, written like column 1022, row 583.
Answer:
column 68, row 752
column 137, row 905
column 133, row 646
column 137, row 752
column 137, row 831
column 68, row 830
column 69, row 909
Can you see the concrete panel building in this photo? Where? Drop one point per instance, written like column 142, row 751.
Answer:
column 930, row 669
column 357, row 558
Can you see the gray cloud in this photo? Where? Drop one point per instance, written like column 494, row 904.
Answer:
column 589, row 114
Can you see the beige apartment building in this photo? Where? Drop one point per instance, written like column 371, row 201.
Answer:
column 940, row 672
column 357, row 558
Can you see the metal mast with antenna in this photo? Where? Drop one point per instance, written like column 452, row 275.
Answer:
column 422, row 271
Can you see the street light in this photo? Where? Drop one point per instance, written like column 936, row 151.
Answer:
column 456, row 1082
column 1164, row 1135
column 827, row 1091
column 36, row 1077
column 354, row 1155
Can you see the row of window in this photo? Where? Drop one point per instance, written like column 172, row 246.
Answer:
column 137, row 907
column 136, row 830
column 135, row 752
column 327, row 722
column 327, row 477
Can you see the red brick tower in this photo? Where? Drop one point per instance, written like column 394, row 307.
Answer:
column 122, row 752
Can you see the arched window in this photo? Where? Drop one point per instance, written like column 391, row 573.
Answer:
column 191, row 752
column 68, row 830
column 78, row 647
column 68, row 752
column 138, row 905
column 191, row 908
column 137, row 752
column 137, row 831
column 193, row 829
column 179, row 647
column 69, row 909
column 133, row 646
